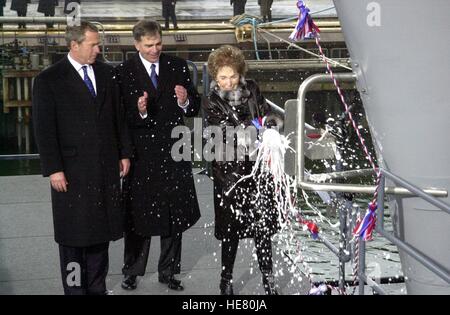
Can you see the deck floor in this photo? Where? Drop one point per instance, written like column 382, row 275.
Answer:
column 29, row 262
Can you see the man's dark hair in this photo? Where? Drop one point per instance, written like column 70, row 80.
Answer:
column 78, row 33
column 146, row 28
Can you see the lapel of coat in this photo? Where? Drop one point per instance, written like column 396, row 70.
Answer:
column 74, row 82
column 164, row 77
column 144, row 79
column 100, row 81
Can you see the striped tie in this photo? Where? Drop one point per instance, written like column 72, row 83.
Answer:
column 88, row 82
column 154, row 76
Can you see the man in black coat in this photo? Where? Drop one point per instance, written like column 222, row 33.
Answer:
column 160, row 194
column 48, row 8
column 20, row 6
column 238, row 6
column 84, row 148
column 2, row 4
column 168, row 10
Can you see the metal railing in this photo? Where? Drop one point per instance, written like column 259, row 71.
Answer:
column 194, row 72
column 16, row 157
column 295, row 110
column 12, row 157
column 426, row 261
column 34, row 19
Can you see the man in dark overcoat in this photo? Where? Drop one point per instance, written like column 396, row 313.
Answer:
column 2, row 4
column 238, row 6
column 266, row 9
column 160, row 194
column 84, row 148
column 48, row 8
column 168, row 11
column 20, row 6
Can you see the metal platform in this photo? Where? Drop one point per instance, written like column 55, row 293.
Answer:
column 200, row 22
column 29, row 262
column 185, row 9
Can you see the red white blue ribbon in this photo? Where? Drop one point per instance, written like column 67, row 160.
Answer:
column 258, row 122
column 305, row 27
column 365, row 227
column 311, row 226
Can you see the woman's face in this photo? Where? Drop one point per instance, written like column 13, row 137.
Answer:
column 227, row 78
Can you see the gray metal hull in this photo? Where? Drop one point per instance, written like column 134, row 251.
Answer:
column 400, row 52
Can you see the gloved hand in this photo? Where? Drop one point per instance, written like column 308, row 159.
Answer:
column 273, row 121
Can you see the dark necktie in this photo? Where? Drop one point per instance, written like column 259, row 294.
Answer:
column 88, row 82
column 154, row 76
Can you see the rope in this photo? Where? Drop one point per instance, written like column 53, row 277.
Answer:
column 255, row 42
column 306, row 28
column 256, row 26
column 347, row 111
column 355, row 266
column 366, row 151
column 295, row 17
column 320, row 57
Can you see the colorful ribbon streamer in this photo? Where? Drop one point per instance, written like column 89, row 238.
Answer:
column 305, row 28
column 364, row 228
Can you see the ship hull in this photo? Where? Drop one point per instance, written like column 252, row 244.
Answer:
column 400, row 54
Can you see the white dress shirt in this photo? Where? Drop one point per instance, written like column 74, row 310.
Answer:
column 148, row 67
column 79, row 68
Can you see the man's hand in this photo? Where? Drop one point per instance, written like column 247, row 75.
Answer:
column 124, row 166
column 181, row 93
column 59, row 182
column 142, row 103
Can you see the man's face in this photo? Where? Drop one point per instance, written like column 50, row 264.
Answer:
column 86, row 52
column 150, row 47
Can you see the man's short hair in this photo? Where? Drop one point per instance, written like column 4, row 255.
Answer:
column 146, row 28
column 78, row 33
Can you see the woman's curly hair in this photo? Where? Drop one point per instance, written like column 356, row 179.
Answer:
column 226, row 55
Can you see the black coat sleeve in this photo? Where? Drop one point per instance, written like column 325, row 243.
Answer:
column 123, row 134
column 272, row 119
column 129, row 95
column 45, row 126
column 193, row 96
